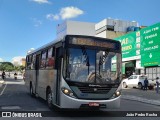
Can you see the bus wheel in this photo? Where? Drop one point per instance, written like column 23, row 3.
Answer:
column 49, row 98
column 31, row 90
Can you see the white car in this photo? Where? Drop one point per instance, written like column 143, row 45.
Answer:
column 136, row 81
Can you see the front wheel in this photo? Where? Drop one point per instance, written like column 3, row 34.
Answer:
column 140, row 86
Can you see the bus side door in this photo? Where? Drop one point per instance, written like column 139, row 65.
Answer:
column 37, row 67
column 58, row 65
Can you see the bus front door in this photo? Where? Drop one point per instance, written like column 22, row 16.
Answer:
column 58, row 67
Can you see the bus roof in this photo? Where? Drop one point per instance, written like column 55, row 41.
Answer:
column 61, row 39
column 44, row 46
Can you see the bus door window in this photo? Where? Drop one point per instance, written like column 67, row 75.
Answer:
column 29, row 61
column 37, row 62
column 33, row 62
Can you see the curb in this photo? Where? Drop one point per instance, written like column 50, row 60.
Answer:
column 140, row 99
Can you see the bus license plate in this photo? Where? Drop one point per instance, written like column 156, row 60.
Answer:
column 93, row 104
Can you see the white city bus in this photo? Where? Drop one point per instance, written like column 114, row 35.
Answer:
column 76, row 72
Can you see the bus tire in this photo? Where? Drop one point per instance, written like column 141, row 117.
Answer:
column 124, row 85
column 49, row 98
column 31, row 90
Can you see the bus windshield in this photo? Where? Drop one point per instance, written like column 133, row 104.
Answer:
column 92, row 66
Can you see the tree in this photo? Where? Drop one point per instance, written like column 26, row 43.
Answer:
column 6, row 66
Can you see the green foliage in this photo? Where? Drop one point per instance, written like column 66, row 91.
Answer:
column 7, row 66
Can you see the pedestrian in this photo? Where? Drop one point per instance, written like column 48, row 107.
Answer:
column 145, row 84
column 157, row 84
column 3, row 75
column 15, row 76
column 9, row 74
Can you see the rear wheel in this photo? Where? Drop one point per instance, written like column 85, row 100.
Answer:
column 31, row 90
column 124, row 85
column 140, row 86
column 49, row 98
column 150, row 87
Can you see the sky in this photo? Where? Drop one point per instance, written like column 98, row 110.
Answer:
column 26, row 24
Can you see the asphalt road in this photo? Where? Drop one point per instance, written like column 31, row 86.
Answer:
column 15, row 97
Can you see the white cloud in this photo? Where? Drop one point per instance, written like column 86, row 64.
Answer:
column 70, row 12
column 17, row 60
column 66, row 13
column 41, row 1
column 52, row 17
column 1, row 60
column 37, row 22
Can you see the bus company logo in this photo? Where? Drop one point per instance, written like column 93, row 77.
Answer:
column 6, row 114
column 91, row 85
column 95, row 89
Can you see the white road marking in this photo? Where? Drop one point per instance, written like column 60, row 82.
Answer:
column 16, row 82
column 10, row 107
column 3, row 89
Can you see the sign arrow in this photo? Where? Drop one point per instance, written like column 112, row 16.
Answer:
column 150, row 55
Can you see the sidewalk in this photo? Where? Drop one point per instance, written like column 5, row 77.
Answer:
column 149, row 96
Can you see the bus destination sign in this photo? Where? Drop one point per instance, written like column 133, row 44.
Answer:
column 92, row 42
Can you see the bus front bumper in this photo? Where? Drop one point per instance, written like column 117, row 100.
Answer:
column 73, row 103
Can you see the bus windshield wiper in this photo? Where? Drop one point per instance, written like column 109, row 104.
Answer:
column 86, row 57
column 102, row 59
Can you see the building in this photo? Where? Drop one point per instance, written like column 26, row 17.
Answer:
column 19, row 61
column 112, row 28
column 75, row 28
column 23, row 62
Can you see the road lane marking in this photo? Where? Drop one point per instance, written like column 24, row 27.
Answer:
column 10, row 108
column 3, row 89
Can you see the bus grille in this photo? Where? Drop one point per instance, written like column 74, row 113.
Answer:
column 98, row 90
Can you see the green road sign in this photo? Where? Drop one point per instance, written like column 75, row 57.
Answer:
column 150, row 58
column 145, row 43
column 150, row 45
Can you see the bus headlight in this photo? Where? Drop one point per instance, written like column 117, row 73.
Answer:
column 67, row 92
column 117, row 93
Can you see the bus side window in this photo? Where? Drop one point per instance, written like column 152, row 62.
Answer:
column 43, row 59
column 33, row 62
column 50, row 59
column 29, row 61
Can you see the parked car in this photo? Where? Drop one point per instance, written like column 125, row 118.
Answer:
column 137, row 81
